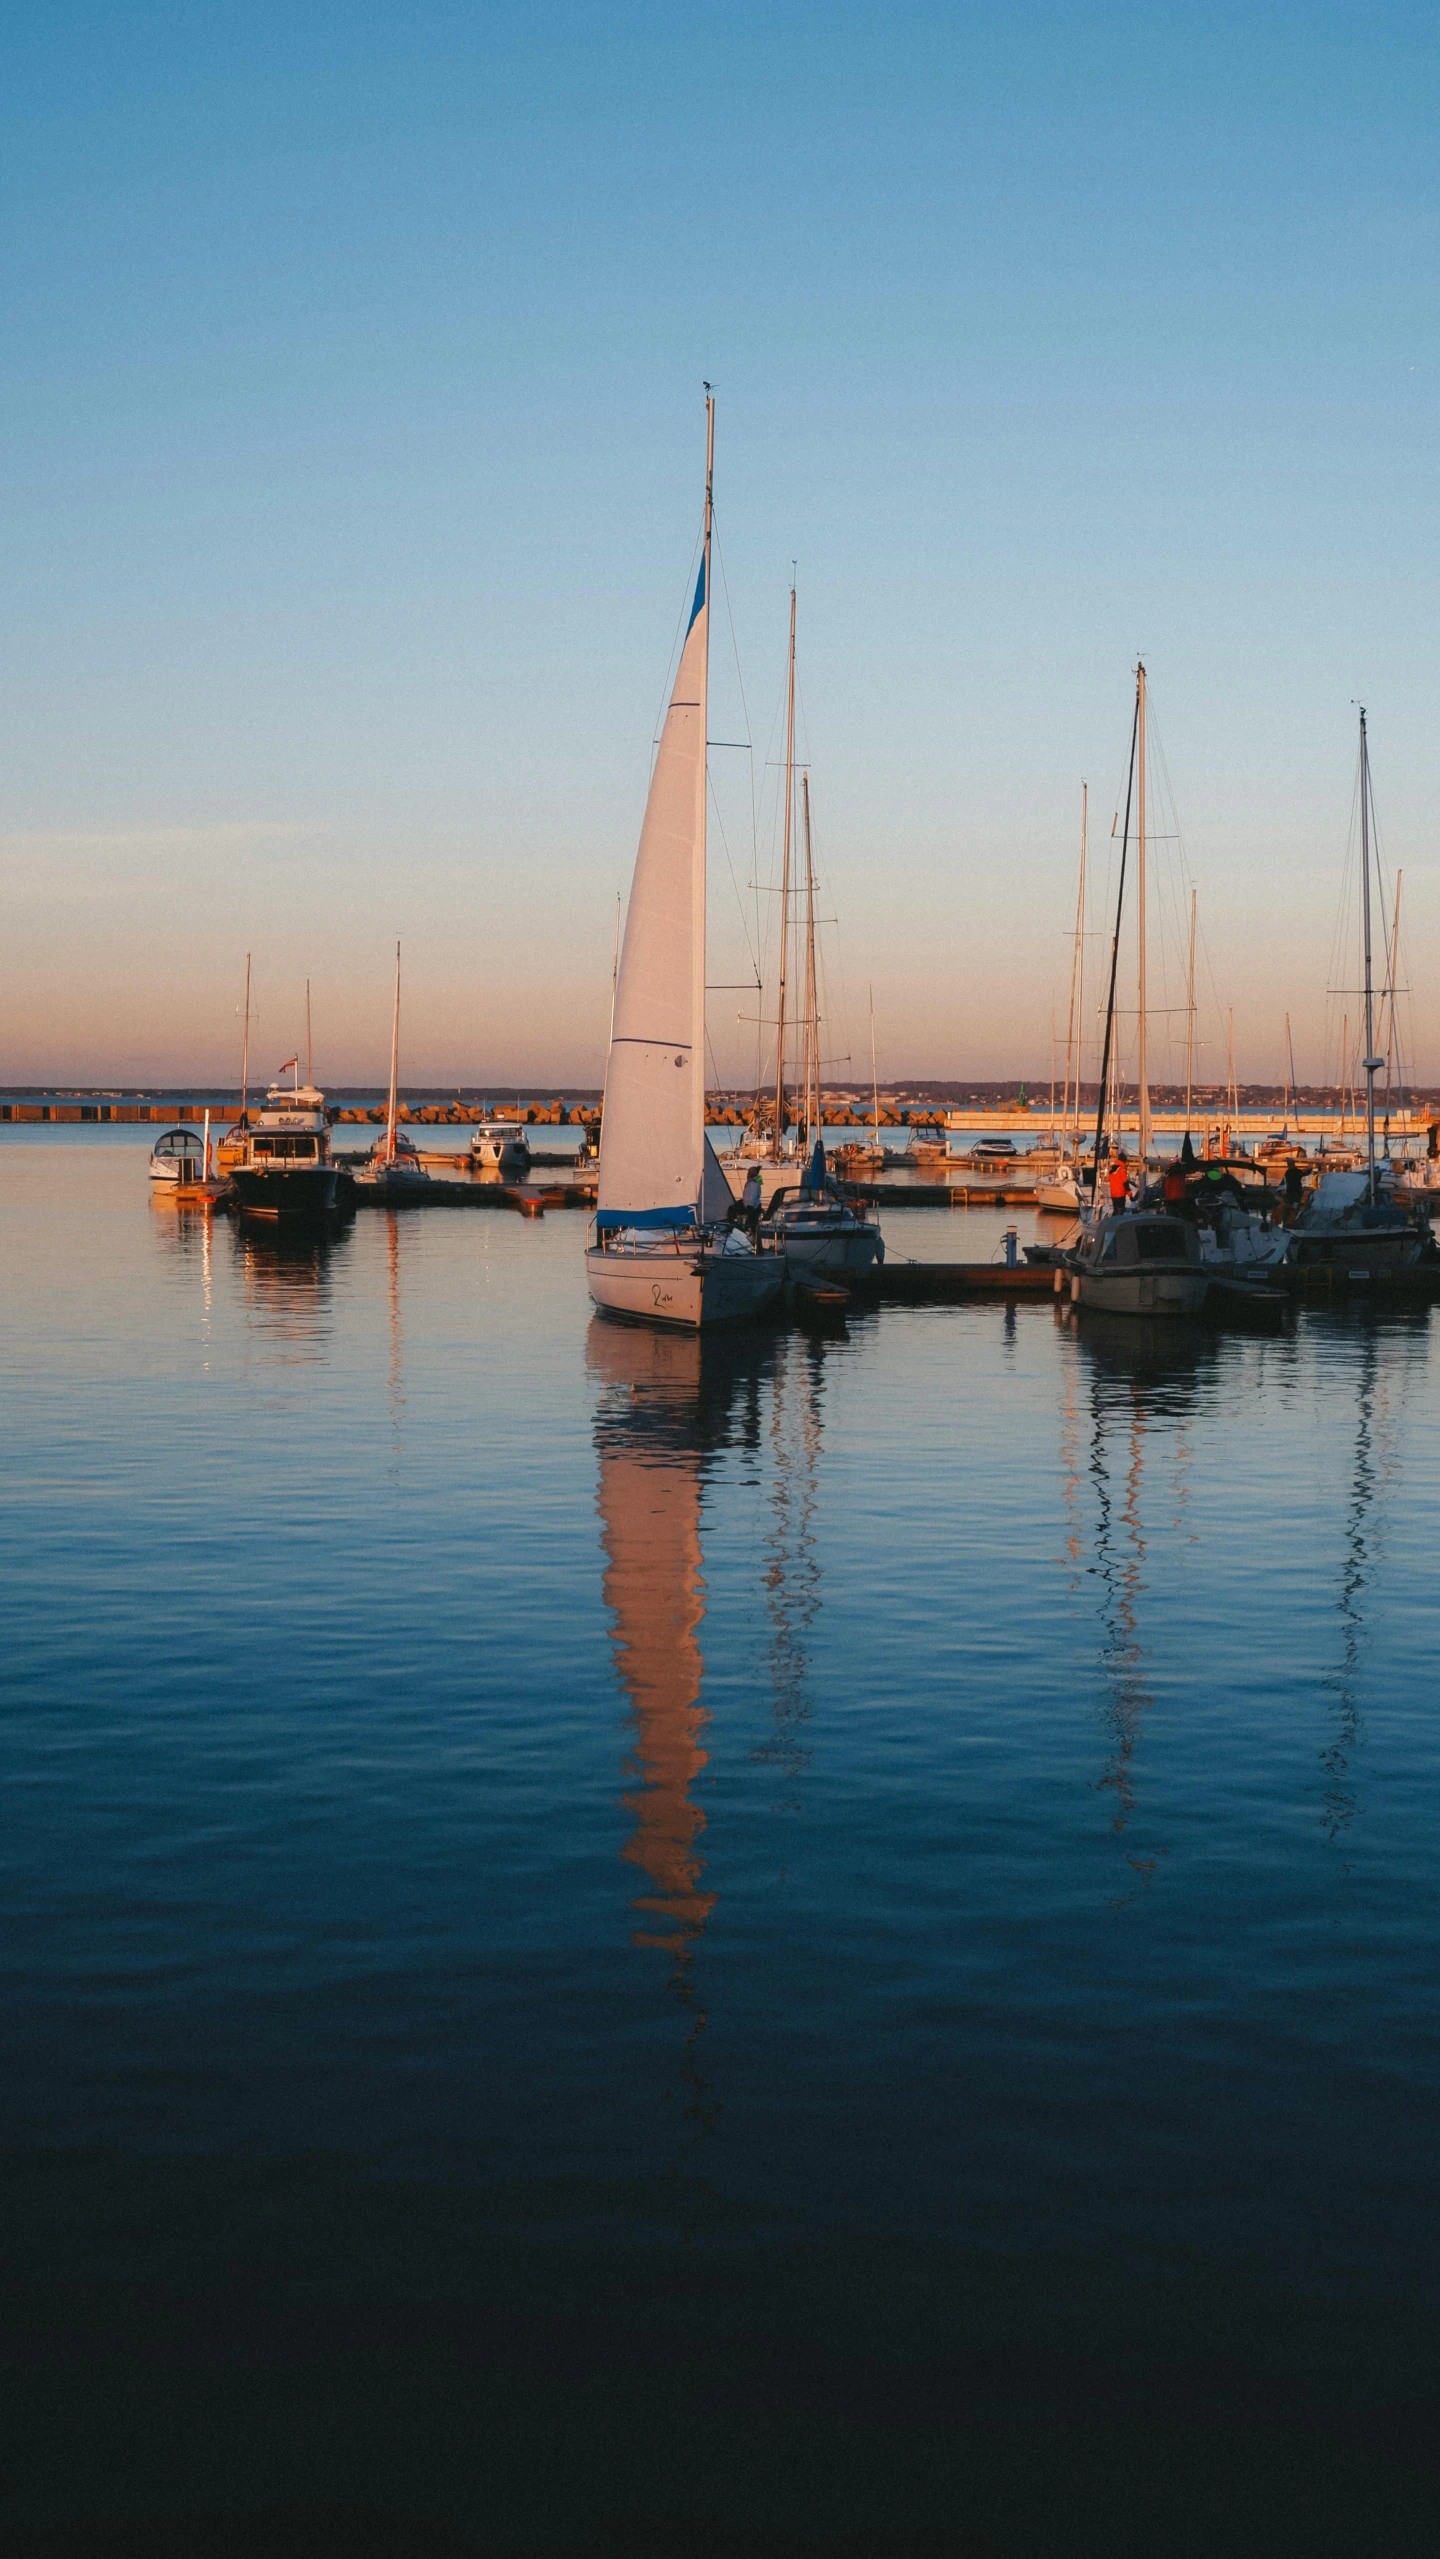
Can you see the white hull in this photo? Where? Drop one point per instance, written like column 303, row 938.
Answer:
column 689, row 1289
column 500, row 1154
column 1141, row 1292
column 1062, row 1199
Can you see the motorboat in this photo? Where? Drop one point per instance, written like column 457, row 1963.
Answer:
column 1135, row 1263
column 178, row 1158
column 665, row 1249
column 279, row 1156
column 500, row 1146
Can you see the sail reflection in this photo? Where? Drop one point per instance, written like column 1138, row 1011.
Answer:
column 667, row 1402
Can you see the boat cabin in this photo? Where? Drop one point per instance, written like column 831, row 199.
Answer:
column 1124, row 1243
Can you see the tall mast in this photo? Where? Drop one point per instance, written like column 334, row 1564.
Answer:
column 785, row 891
column 245, row 1048
column 697, row 937
column 309, row 1043
column 1077, row 966
column 812, row 990
column 1142, row 1076
column 1232, row 1095
column 394, row 1067
column 1290, row 1095
column 1114, row 965
column 1372, row 1063
column 1190, row 1022
column 874, row 1077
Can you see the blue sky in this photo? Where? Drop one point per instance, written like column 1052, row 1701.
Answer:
column 352, row 467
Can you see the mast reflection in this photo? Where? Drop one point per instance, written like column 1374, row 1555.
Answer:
column 1141, row 1379
column 792, row 1569
column 1373, row 1468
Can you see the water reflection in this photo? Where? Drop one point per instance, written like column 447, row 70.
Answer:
column 667, row 1403
column 287, row 1283
column 1140, row 1379
column 1381, row 1381
column 792, row 1566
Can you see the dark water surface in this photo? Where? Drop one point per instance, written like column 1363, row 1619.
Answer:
column 826, row 1942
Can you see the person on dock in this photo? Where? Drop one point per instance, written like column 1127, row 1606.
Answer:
column 1175, row 1192
column 1119, row 1182
column 746, row 1211
column 1294, row 1188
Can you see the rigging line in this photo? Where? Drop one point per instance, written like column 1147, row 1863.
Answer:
column 718, row 554
column 1115, row 952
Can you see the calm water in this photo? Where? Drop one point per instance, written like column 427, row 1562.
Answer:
column 827, row 1942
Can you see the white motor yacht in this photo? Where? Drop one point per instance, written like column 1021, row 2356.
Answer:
column 500, row 1146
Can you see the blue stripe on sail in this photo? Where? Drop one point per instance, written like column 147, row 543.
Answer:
column 610, row 1219
column 699, row 597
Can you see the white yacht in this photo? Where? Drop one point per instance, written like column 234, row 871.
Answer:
column 664, row 1249
column 500, row 1146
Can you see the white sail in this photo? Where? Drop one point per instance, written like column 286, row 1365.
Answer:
column 652, row 1157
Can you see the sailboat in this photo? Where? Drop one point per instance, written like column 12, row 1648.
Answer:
column 1132, row 1261
column 819, row 1233
column 1351, row 1227
column 664, row 1249
column 392, row 1165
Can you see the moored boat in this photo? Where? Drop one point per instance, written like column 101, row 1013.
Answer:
column 666, row 1248
column 280, row 1164
column 178, row 1158
column 500, row 1146
column 1351, row 1227
column 1139, row 1264
column 392, row 1168
column 819, row 1233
